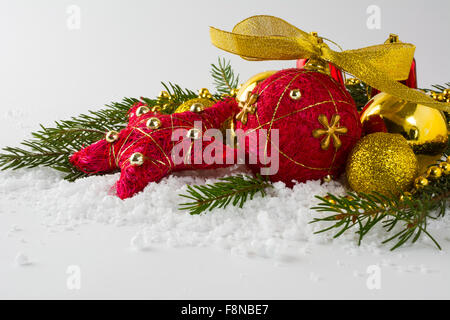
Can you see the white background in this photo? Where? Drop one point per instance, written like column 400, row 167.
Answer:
column 125, row 48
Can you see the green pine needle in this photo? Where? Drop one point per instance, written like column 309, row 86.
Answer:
column 234, row 190
column 224, row 78
column 365, row 211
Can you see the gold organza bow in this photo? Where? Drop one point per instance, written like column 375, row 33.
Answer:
column 271, row 38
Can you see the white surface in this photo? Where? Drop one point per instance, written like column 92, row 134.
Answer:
column 143, row 248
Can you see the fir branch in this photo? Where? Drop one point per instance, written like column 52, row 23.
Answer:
column 52, row 146
column 235, row 190
column 365, row 211
column 177, row 96
column 224, row 78
column 359, row 92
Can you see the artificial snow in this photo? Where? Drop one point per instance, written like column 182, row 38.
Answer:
column 276, row 226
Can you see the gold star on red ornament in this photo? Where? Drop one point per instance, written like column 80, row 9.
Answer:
column 330, row 131
column 247, row 107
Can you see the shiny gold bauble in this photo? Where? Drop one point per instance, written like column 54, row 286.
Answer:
column 251, row 83
column 186, row 106
column 423, row 127
column 137, row 159
column 381, row 162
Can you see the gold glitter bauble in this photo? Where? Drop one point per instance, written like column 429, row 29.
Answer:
column 382, row 162
column 251, row 83
column 424, row 128
column 186, row 106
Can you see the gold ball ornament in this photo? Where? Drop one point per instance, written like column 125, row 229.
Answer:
column 186, row 106
column 382, row 162
column 423, row 127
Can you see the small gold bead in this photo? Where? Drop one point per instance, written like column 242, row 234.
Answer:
column 234, row 92
column 153, row 123
column 330, row 200
column 112, row 136
column 193, row 134
column 349, row 198
column 197, row 107
column 434, row 95
column 295, row 94
column 156, row 108
column 327, row 178
column 445, row 167
column 203, row 91
column 420, row 182
column 405, row 195
column 137, row 159
column 434, row 172
column 352, row 81
column 142, row 110
column 163, row 95
column 446, row 92
column 441, row 97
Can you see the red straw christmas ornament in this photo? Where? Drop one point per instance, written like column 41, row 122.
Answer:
column 143, row 150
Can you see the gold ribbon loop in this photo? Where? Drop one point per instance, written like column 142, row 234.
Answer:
column 271, row 38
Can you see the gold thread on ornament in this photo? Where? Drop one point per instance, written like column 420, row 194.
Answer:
column 142, row 110
column 295, row 94
column 112, row 136
column 330, row 131
column 248, row 106
column 153, row 123
column 137, row 159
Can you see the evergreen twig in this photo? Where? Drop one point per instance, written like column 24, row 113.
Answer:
column 235, row 190
column 224, row 77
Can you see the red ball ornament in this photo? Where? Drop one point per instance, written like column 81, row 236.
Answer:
column 317, row 124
